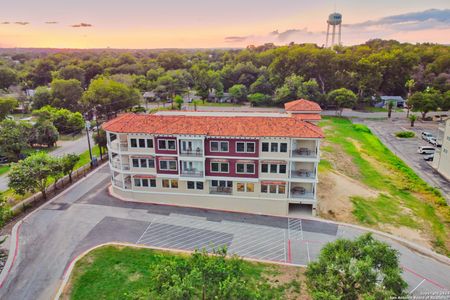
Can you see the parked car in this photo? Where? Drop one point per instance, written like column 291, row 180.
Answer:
column 434, row 142
column 426, row 150
column 428, row 157
column 426, row 135
column 3, row 160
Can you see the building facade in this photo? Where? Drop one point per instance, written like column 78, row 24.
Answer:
column 258, row 165
column 441, row 160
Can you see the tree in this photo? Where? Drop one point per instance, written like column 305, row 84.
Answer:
column 44, row 133
column 360, row 269
column 72, row 72
column 6, row 106
column 14, row 138
column 179, row 101
column 42, row 73
column 109, row 97
column 33, row 173
column 390, row 106
column 424, row 101
column 101, row 140
column 206, row 81
column 5, row 212
column 409, row 85
column 68, row 163
column 412, row 118
column 42, row 97
column 65, row 121
column 341, row 98
column 66, row 94
column 8, row 77
column 259, row 99
column 238, row 92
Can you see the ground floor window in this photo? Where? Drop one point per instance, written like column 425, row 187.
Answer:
column 245, row 187
column 273, row 188
column 221, row 183
column 144, row 182
column 170, row 183
column 195, row 185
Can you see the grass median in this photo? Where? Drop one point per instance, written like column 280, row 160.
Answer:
column 401, row 199
column 113, row 272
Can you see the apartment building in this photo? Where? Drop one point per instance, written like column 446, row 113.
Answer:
column 441, row 160
column 255, row 164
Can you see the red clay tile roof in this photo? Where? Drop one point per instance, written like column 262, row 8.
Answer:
column 214, row 126
column 302, row 105
column 308, row 117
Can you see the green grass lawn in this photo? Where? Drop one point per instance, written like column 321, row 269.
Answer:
column 113, row 272
column 404, row 200
column 225, row 104
column 4, row 169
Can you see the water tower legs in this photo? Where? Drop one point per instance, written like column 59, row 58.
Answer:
column 328, row 34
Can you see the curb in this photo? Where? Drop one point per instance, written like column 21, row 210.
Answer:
column 14, row 245
column 70, row 267
column 410, row 245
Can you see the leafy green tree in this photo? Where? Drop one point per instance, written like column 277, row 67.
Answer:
column 361, row 269
column 6, row 106
column 8, row 77
column 42, row 97
column 179, row 101
column 101, row 140
column 5, row 212
column 72, row 72
column 42, row 73
column 341, row 98
column 409, row 85
column 65, row 121
column 44, row 133
column 424, row 102
column 68, row 163
column 14, row 138
column 413, row 119
column 262, row 85
column 258, row 99
column 109, row 97
column 238, row 92
column 206, row 81
column 33, row 173
column 66, row 94
column 390, row 107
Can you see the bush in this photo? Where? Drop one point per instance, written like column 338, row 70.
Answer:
column 405, row 134
column 361, row 128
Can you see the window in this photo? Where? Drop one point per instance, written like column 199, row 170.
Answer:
column 274, row 147
column 143, row 162
column 248, row 147
column 245, row 187
column 265, row 147
column 221, row 183
column 141, row 143
column 172, row 183
column 195, row 185
column 265, row 168
column 149, row 143
column 273, row 188
column 152, row 182
column 137, row 182
column 166, row 145
column 283, row 147
column 169, row 165
column 245, row 168
column 219, row 167
column 133, row 143
column 144, row 182
column 216, row 146
column 282, row 169
column 273, row 168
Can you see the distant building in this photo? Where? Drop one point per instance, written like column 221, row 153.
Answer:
column 305, row 110
column 441, row 160
column 399, row 102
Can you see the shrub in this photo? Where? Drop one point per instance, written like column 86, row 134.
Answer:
column 405, row 134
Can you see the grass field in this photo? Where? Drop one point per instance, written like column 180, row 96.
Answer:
column 4, row 169
column 404, row 199
column 113, row 272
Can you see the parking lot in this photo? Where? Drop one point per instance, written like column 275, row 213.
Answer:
column 406, row 148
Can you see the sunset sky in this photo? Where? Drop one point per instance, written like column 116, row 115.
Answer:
column 212, row 23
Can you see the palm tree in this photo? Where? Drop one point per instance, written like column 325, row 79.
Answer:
column 409, row 85
column 412, row 118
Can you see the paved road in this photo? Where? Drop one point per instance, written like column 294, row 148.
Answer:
column 406, row 149
column 77, row 146
column 86, row 216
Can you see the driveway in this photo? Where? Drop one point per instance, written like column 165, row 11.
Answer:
column 86, row 215
column 77, row 146
column 406, row 149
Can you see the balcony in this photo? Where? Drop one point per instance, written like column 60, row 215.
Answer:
column 304, row 152
column 191, row 153
column 221, row 190
column 117, row 165
column 300, row 192
column 120, row 184
column 192, row 173
column 303, row 173
column 119, row 146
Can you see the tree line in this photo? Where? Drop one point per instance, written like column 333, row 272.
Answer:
column 111, row 80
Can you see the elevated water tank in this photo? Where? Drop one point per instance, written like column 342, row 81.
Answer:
column 334, row 19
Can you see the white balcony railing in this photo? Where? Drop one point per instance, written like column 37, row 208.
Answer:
column 304, row 152
column 306, row 174
column 192, row 173
column 191, row 153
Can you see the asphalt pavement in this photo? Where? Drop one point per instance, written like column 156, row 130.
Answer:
column 86, row 215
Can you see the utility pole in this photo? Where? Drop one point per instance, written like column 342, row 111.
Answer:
column 98, row 134
column 88, row 140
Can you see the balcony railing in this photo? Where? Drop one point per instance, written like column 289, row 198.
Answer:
column 191, row 153
column 307, row 174
column 305, row 195
column 223, row 190
column 192, row 173
column 304, row 152
column 119, row 183
column 118, row 165
column 115, row 145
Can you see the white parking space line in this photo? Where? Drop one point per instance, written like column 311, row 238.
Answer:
column 307, row 251
column 139, row 239
column 412, row 291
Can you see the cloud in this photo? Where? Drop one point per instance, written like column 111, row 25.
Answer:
column 81, row 25
column 51, row 22
column 428, row 19
column 291, row 35
column 236, row 39
column 5, row 23
column 22, row 23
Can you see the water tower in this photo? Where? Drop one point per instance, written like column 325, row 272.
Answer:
column 334, row 20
